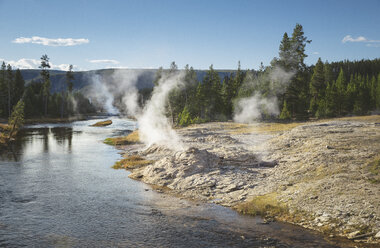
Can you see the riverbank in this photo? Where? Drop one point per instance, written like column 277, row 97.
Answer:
column 58, row 120
column 321, row 175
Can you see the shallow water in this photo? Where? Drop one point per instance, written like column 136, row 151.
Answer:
column 57, row 188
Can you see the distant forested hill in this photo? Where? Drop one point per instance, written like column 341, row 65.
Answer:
column 84, row 78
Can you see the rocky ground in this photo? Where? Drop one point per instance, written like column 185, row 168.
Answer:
column 319, row 170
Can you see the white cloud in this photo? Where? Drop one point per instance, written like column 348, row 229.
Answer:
column 34, row 64
column 104, row 61
column 315, row 53
column 348, row 38
column 373, row 45
column 370, row 43
column 51, row 42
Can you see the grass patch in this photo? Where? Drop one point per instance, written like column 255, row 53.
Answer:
column 265, row 206
column 130, row 139
column 374, row 168
column 132, row 162
column 4, row 134
column 4, row 127
column 369, row 118
column 102, row 123
column 262, row 127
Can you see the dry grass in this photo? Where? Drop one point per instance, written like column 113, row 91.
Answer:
column 3, row 126
column 102, row 123
column 240, row 128
column 268, row 206
column 131, row 138
column 4, row 130
column 368, row 118
column 264, row 205
column 131, row 162
column 374, row 168
column 261, row 127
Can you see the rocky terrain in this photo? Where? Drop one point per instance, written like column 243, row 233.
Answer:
column 321, row 171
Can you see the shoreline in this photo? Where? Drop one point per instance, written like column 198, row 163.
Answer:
column 315, row 172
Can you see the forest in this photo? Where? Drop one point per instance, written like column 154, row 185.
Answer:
column 38, row 101
column 318, row 91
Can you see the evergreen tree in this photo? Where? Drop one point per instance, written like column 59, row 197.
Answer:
column 331, row 101
column 19, row 87
column 10, row 86
column 317, row 86
column 45, row 80
column 3, row 91
column 16, row 119
column 299, row 41
column 184, row 118
column 351, row 94
column 70, row 79
column 328, row 74
column 372, row 86
column 340, row 85
column 378, row 92
column 286, row 53
column 297, row 93
column 285, row 114
column 158, row 76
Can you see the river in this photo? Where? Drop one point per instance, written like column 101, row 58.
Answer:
column 57, row 189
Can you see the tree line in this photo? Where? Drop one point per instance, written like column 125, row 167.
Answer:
column 38, row 101
column 318, row 91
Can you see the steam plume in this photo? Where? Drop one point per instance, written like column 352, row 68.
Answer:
column 99, row 93
column 154, row 126
column 252, row 108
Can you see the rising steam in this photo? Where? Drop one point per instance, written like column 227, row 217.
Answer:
column 154, row 126
column 252, row 108
column 100, row 94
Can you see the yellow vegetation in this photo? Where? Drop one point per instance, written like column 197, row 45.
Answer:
column 261, row 127
column 264, row 205
column 131, row 162
column 374, row 169
column 369, row 118
column 131, row 138
column 102, row 123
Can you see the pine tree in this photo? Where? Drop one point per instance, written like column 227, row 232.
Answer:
column 70, row 79
column 16, row 119
column 330, row 101
column 70, row 84
column 372, row 86
column 10, row 86
column 19, row 87
column 299, row 41
column 351, row 94
column 285, row 114
column 45, row 80
column 3, row 91
column 340, row 85
column 286, row 53
column 158, row 76
column 317, row 86
column 378, row 92
column 297, row 93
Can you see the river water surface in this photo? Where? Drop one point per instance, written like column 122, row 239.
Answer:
column 57, row 189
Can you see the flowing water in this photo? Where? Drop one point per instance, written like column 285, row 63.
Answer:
column 57, row 189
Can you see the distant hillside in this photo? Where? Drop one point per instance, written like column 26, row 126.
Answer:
column 84, row 78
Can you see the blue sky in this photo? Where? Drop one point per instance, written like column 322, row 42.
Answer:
column 149, row 34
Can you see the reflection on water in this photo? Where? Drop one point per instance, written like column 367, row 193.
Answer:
column 61, row 191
